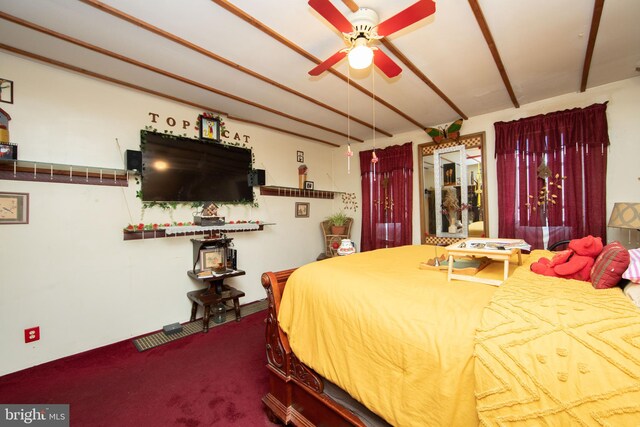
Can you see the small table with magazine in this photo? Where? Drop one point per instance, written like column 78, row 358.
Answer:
column 494, row 249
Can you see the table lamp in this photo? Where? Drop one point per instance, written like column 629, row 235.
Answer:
column 625, row 215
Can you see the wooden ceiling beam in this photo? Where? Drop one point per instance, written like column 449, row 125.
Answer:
column 142, row 89
column 353, row 7
column 593, row 34
column 484, row 27
column 165, row 73
column 172, row 37
column 275, row 35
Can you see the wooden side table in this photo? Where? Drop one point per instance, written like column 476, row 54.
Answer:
column 215, row 292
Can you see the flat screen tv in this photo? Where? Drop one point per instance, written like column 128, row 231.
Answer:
column 180, row 169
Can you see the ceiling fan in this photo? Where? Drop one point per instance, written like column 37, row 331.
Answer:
column 361, row 28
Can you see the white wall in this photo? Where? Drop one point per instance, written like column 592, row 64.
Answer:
column 623, row 174
column 69, row 270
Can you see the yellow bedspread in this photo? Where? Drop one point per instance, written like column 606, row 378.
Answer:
column 559, row 353
column 397, row 338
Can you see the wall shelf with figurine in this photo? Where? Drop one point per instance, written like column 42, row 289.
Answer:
column 296, row 192
column 190, row 230
column 24, row 170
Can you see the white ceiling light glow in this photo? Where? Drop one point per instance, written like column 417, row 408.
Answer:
column 361, row 56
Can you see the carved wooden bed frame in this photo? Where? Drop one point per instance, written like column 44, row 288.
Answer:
column 296, row 392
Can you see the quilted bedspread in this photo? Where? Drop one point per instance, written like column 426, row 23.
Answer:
column 397, row 338
column 557, row 352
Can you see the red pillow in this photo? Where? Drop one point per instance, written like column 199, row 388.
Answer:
column 609, row 266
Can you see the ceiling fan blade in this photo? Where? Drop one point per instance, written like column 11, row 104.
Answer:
column 324, row 66
column 386, row 64
column 414, row 13
column 332, row 14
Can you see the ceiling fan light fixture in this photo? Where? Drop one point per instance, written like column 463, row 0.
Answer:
column 361, row 56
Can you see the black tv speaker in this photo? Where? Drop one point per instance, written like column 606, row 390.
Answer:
column 133, row 160
column 256, row 177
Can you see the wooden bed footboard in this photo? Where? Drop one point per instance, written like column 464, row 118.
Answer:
column 295, row 391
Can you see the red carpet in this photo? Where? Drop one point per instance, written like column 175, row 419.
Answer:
column 217, row 378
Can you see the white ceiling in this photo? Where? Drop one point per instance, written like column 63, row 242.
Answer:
column 542, row 45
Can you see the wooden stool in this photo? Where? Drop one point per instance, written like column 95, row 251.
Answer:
column 208, row 298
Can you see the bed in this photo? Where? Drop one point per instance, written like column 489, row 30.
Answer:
column 414, row 349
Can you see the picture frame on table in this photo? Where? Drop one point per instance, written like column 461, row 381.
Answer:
column 213, row 259
column 14, row 208
column 308, row 185
column 8, row 151
column 209, row 128
column 302, row 210
column 6, row 91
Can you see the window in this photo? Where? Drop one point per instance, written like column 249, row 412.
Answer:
column 552, row 175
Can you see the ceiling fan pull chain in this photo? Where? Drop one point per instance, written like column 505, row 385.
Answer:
column 374, row 157
column 349, row 152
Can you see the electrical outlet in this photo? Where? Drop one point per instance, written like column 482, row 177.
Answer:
column 32, row 334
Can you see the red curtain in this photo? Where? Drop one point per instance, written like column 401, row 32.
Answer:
column 573, row 144
column 387, row 197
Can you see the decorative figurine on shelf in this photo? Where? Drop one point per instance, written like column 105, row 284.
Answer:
column 302, row 175
column 210, row 210
column 208, row 216
column 346, row 247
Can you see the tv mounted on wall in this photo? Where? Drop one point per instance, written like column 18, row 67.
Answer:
column 180, row 169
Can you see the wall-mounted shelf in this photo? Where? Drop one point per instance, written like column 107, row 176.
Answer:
column 193, row 230
column 24, row 170
column 296, row 192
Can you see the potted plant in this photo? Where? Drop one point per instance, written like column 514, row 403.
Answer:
column 338, row 222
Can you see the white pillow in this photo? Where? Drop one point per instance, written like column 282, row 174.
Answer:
column 633, row 272
column 632, row 290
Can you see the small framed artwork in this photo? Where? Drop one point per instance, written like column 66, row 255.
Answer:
column 302, row 210
column 300, row 156
column 308, row 185
column 8, row 151
column 14, row 208
column 6, row 91
column 449, row 172
column 209, row 128
column 213, row 259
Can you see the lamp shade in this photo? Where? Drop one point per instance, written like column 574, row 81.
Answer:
column 625, row 215
column 361, row 56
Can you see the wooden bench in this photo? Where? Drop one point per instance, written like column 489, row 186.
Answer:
column 208, row 298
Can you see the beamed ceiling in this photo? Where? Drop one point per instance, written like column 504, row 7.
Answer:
column 249, row 60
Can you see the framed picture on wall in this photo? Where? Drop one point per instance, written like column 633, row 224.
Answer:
column 300, row 156
column 449, row 173
column 14, row 208
column 302, row 210
column 6, row 91
column 308, row 185
column 209, row 128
